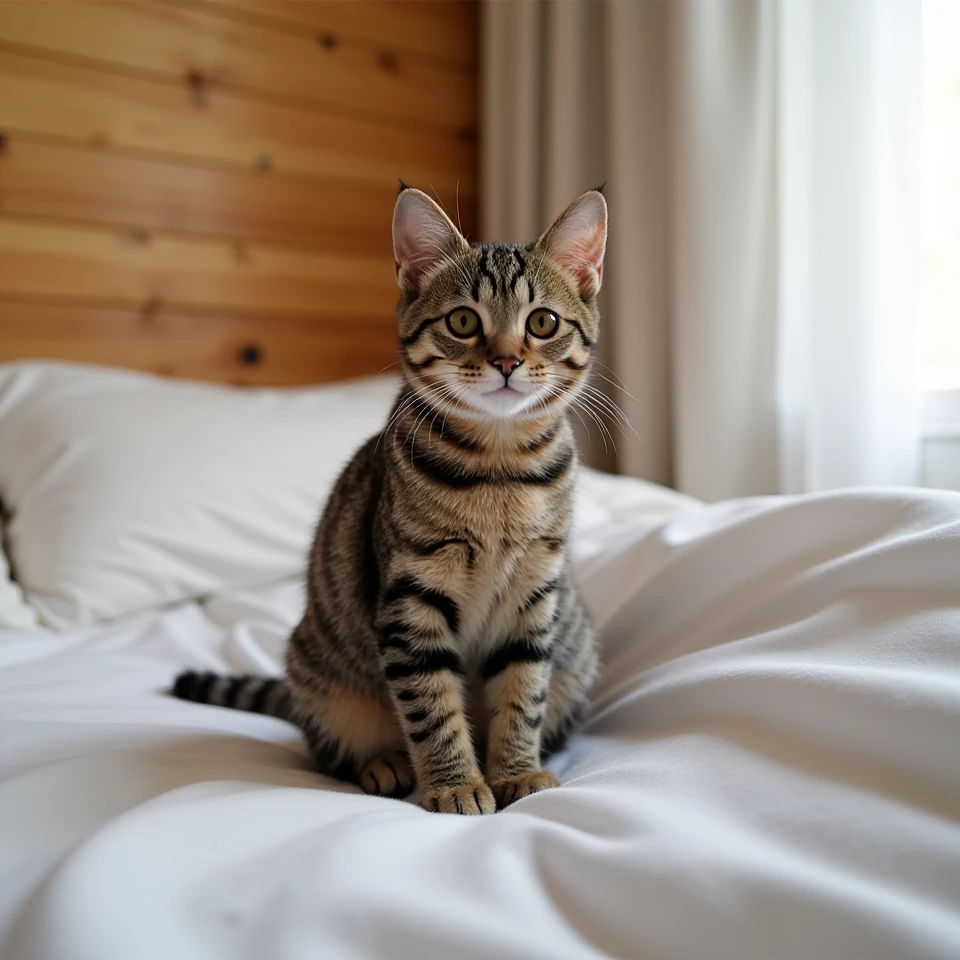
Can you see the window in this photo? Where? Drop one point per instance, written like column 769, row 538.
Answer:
column 940, row 195
column 940, row 242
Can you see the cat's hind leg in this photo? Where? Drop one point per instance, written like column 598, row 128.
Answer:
column 390, row 775
column 567, row 708
column 352, row 734
column 575, row 667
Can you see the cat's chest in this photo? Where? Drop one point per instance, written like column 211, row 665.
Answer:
column 509, row 562
column 508, row 515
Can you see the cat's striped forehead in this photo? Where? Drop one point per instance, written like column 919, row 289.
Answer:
column 501, row 269
column 506, row 278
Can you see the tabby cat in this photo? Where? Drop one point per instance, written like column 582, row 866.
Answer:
column 444, row 642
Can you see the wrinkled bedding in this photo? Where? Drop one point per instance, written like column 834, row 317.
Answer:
column 772, row 768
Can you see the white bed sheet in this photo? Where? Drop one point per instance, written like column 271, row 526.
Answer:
column 772, row 769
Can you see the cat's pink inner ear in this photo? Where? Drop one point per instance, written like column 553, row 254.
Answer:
column 423, row 237
column 578, row 239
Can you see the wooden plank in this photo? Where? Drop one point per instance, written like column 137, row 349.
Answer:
column 100, row 187
column 53, row 181
column 69, row 101
column 443, row 29
column 243, row 350
column 183, row 44
column 43, row 260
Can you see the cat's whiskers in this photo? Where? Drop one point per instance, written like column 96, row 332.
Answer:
column 576, row 404
column 405, row 403
column 432, row 391
column 586, row 405
column 593, row 410
column 550, row 394
column 612, row 409
column 556, row 389
column 619, row 385
column 451, row 393
column 437, row 393
column 393, row 419
column 458, row 395
column 587, row 430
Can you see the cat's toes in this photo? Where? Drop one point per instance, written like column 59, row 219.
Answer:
column 511, row 789
column 470, row 799
column 388, row 776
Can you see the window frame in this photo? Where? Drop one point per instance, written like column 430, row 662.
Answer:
column 940, row 439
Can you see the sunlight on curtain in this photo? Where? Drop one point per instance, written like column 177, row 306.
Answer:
column 940, row 176
column 848, row 317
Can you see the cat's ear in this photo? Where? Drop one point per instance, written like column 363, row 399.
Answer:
column 423, row 236
column 577, row 240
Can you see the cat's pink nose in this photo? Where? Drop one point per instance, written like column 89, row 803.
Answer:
column 506, row 365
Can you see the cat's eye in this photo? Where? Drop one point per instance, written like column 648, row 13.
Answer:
column 463, row 322
column 542, row 323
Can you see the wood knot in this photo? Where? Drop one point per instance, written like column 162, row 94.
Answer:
column 328, row 41
column 197, row 83
column 251, row 355
column 136, row 237
column 388, row 61
column 264, row 162
column 3, row 142
column 150, row 311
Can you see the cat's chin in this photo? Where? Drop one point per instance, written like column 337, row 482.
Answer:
column 501, row 403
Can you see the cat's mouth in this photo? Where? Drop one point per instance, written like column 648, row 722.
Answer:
column 503, row 401
column 505, row 397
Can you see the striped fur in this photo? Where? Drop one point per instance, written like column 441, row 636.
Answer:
column 443, row 640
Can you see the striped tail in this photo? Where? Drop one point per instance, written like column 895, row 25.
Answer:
column 267, row 695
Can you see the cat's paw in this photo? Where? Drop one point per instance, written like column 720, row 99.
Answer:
column 515, row 788
column 388, row 776
column 470, row 799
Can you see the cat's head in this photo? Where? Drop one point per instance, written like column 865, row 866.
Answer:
column 493, row 330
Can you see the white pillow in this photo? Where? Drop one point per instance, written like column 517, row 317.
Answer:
column 127, row 491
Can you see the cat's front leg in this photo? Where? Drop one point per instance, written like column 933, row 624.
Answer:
column 424, row 673
column 516, row 676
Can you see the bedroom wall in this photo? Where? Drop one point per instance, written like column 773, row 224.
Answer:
column 205, row 189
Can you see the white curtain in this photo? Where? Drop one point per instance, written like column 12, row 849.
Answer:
column 760, row 160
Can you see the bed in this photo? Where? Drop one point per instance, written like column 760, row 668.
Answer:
column 771, row 769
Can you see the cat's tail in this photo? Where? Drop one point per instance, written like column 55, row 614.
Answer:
column 267, row 695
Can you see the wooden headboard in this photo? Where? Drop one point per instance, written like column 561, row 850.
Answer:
column 205, row 189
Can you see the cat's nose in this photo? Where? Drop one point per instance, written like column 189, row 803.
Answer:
column 506, row 365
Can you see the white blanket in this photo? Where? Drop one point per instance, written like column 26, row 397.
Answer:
column 771, row 771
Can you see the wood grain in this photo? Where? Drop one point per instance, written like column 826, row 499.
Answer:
column 243, row 350
column 64, row 100
column 196, row 45
column 102, row 187
column 204, row 188
column 441, row 29
column 138, row 268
